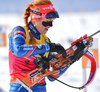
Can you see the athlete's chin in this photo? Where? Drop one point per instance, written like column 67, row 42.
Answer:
column 44, row 32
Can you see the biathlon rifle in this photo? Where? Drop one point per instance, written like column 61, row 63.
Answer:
column 74, row 53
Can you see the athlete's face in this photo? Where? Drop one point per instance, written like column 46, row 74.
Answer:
column 43, row 24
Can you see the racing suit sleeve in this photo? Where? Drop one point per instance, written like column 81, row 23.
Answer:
column 18, row 46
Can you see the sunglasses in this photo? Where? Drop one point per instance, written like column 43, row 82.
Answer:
column 48, row 23
column 52, row 14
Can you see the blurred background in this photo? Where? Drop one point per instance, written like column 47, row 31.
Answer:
column 77, row 18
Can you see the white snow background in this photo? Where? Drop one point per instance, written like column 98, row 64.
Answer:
column 67, row 28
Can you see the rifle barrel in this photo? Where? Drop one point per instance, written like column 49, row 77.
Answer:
column 95, row 33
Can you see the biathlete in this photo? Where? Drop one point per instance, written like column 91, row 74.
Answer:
column 30, row 40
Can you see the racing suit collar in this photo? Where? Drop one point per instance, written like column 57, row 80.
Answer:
column 34, row 31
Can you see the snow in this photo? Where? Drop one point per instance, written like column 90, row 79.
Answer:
column 66, row 29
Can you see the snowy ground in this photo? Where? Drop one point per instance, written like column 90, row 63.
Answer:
column 66, row 29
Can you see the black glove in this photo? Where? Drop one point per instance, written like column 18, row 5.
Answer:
column 57, row 48
column 80, row 51
column 80, row 46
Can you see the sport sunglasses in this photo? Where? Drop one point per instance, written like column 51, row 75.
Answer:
column 48, row 23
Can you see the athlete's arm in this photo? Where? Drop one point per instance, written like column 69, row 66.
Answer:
column 18, row 46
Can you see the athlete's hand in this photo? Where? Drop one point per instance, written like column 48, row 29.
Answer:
column 57, row 48
column 80, row 46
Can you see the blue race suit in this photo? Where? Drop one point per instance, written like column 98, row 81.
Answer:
column 23, row 47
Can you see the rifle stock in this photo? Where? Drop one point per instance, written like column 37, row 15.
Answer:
column 37, row 72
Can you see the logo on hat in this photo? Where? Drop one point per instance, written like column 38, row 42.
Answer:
column 49, row 7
